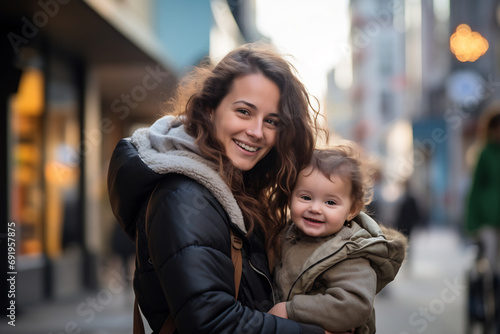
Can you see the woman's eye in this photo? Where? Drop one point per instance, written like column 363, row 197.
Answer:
column 272, row 122
column 243, row 111
column 330, row 202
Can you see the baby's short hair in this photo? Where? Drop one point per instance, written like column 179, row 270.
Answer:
column 348, row 161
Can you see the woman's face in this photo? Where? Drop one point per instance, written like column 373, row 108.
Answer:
column 246, row 120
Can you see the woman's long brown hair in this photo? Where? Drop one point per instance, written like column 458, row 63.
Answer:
column 262, row 193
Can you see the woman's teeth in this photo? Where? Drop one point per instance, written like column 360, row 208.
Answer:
column 246, row 147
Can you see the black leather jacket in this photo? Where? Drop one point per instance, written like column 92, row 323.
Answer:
column 183, row 263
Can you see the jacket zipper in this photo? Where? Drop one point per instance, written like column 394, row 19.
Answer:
column 314, row 264
column 323, row 259
column 265, row 276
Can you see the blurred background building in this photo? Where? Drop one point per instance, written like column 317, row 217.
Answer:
column 78, row 75
column 412, row 101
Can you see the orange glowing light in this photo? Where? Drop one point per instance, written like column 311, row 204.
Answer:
column 467, row 45
column 29, row 99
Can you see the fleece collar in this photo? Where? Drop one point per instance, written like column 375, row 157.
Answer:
column 166, row 148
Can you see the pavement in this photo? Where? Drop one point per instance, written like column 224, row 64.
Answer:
column 108, row 310
column 428, row 296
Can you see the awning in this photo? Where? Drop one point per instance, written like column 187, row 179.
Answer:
column 91, row 32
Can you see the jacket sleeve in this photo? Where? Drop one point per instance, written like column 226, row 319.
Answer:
column 189, row 244
column 347, row 301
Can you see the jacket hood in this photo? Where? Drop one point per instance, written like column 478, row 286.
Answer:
column 160, row 149
column 383, row 246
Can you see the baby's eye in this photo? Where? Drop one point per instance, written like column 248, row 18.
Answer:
column 330, row 202
column 306, row 198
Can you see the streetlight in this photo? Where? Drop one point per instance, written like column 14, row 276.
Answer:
column 467, row 45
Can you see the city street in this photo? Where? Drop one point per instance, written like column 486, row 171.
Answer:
column 106, row 311
column 428, row 296
column 415, row 84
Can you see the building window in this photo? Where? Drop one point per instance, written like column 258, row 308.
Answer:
column 26, row 200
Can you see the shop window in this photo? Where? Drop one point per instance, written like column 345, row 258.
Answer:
column 44, row 161
column 26, row 200
column 63, row 226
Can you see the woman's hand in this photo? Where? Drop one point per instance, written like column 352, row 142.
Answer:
column 279, row 310
column 350, row 332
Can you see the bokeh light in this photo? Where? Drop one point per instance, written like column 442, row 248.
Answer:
column 468, row 45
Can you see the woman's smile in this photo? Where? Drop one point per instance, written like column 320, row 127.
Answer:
column 246, row 147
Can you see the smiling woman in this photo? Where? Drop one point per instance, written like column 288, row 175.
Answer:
column 246, row 120
column 222, row 162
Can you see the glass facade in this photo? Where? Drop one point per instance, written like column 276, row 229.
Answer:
column 26, row 139
column 62, row 160
column 44, row 168
column 45, row 160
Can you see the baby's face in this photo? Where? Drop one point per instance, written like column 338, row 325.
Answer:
column 319, row 205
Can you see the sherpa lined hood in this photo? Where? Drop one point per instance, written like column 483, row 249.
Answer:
column 163, row 148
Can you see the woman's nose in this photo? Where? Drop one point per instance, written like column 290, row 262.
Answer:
column 255, row 129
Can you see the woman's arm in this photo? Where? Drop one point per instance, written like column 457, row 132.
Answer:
column 347, row 302
column 189, row 244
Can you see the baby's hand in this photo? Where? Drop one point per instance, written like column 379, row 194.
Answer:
column 279, row 310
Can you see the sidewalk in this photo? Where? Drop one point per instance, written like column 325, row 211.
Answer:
column 429, row 294
column 108, row 310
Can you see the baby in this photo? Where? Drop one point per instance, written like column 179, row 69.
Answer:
column 334, row 257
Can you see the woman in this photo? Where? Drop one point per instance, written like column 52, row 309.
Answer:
column 225, row 161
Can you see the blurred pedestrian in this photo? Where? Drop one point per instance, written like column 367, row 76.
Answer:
column 408, row 213
column 483, row 203
column 483, row 207
column 222, row 163
column 375, row 208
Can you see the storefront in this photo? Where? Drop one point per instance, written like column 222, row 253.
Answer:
column 44, row 174
column 64, row 67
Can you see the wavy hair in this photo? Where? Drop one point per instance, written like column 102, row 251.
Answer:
column 263, row 191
